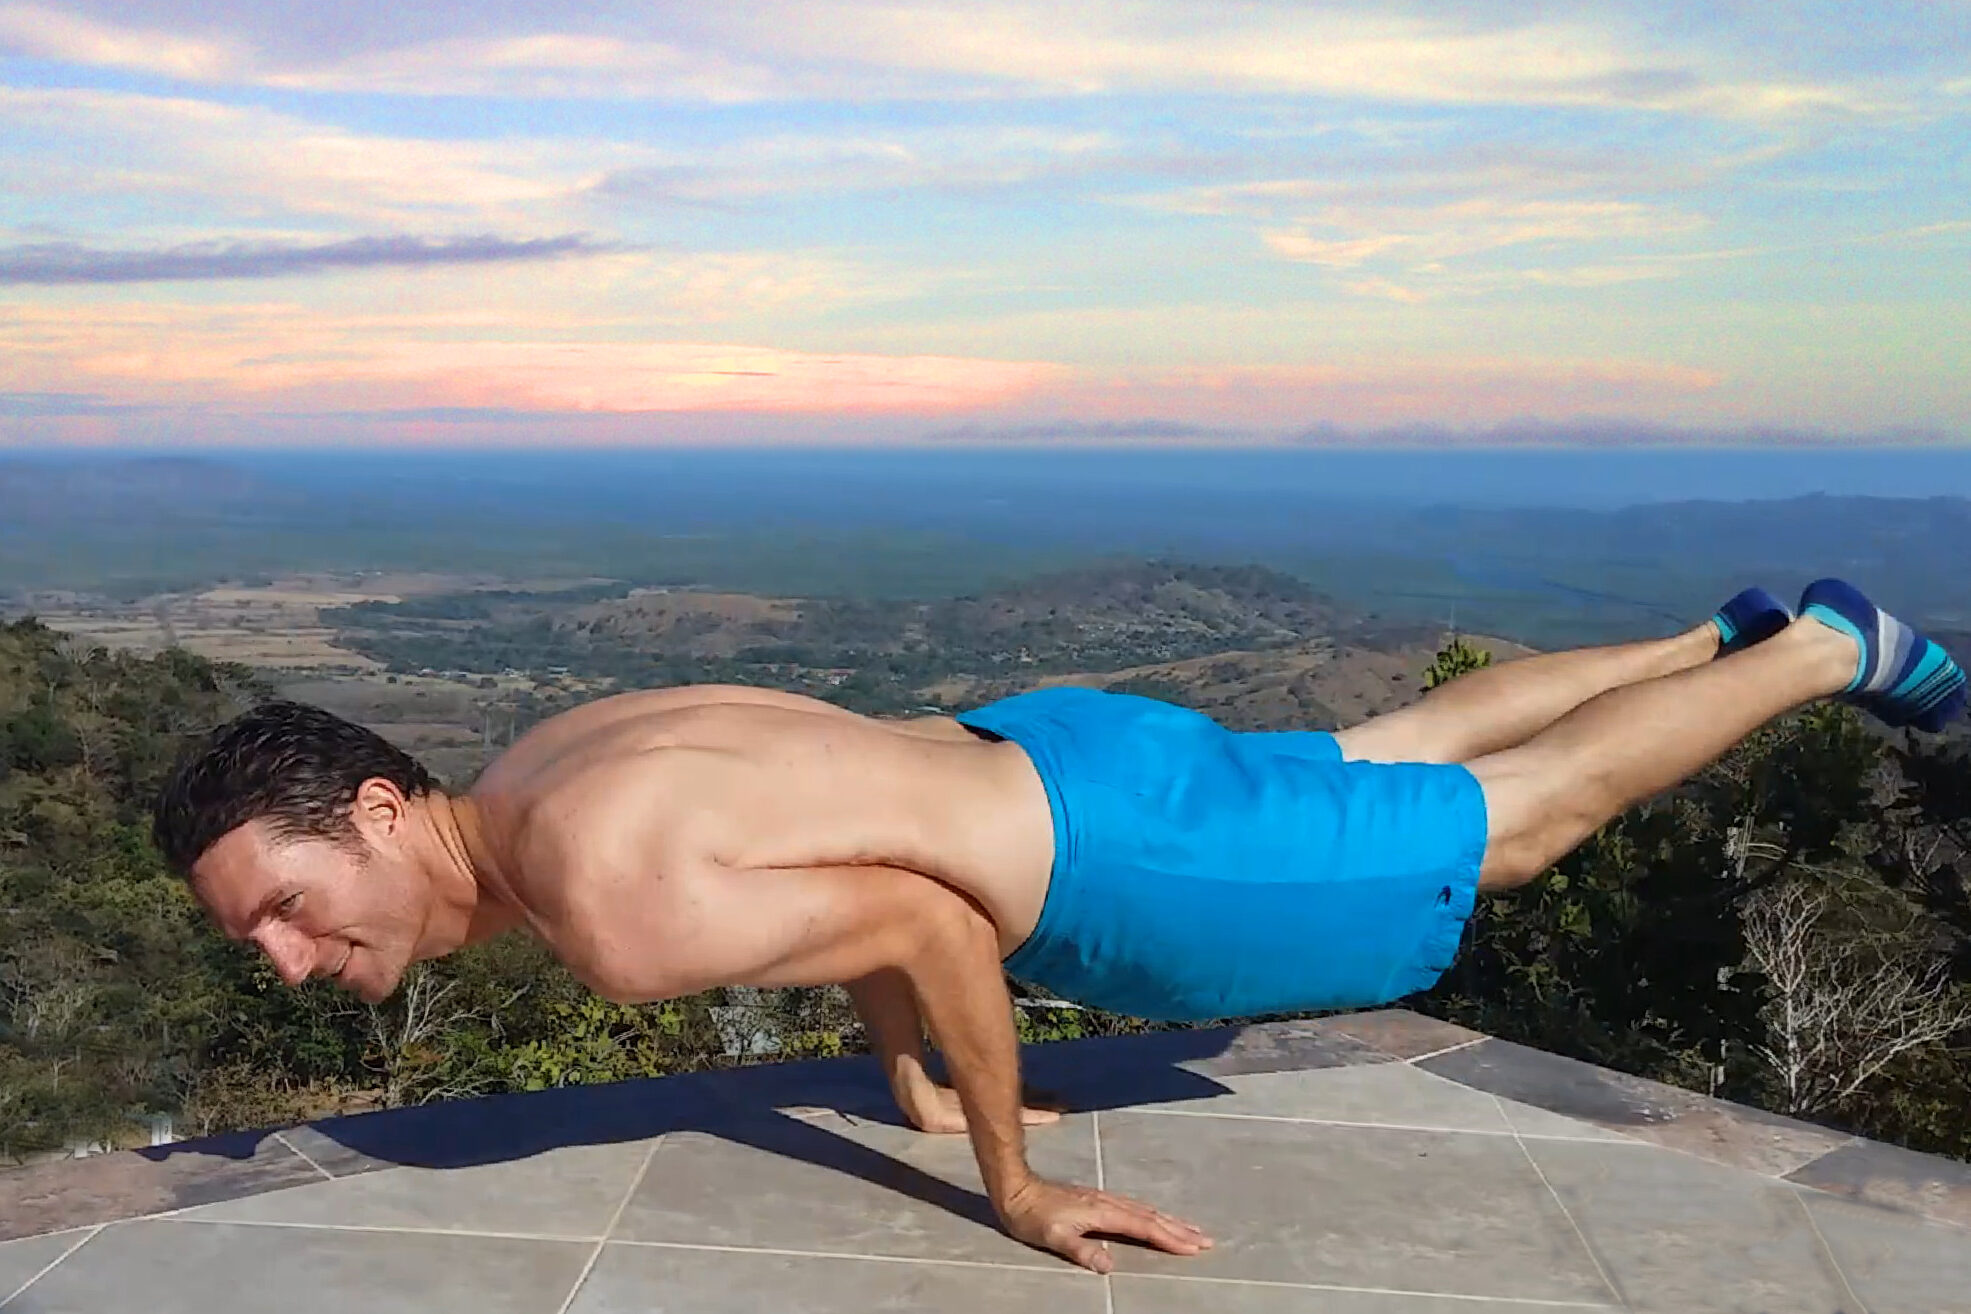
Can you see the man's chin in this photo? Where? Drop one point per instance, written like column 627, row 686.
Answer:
column 371, row 993
column 371, row 990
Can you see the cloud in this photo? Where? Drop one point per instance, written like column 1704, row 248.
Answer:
column 64, row 262
column 968, row 158
column 1377, row 390
column 1065, row 430
column 549, row 65
column 69, row 38
column 1598, row 56
column 255, row 162
column 275, row 358
column 20, row 405
column 1427, row 253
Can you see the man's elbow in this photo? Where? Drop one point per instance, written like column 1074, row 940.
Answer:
column 948, row 932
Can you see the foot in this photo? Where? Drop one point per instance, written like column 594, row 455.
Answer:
column 1901, row 677
column 1750, row 617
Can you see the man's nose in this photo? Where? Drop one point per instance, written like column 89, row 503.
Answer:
column 291, row 954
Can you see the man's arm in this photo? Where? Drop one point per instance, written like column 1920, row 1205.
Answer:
column 822, row 925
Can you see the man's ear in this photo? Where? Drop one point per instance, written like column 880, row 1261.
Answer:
column 379, row 807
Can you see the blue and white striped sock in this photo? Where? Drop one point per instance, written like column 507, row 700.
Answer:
column 1901, row 677
column 1749, row 617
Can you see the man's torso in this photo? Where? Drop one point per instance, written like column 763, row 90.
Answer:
column 726, row 779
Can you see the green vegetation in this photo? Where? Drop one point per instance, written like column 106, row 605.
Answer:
column 1791, row 929
column 1453, row 660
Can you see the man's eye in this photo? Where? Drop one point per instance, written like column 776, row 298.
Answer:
column 289, row 904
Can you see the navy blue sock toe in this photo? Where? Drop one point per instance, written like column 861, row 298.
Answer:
column 1901, row 677
column 1748, row 618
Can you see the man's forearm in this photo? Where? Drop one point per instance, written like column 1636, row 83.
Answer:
column 961, row 988
column 888, row 1008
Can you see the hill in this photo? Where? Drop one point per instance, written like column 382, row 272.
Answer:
column 877, row 655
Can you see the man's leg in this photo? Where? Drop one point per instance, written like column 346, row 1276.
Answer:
column 1545, row 796
column 1496, row 707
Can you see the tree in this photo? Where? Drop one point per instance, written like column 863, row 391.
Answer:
column 1841, row 1009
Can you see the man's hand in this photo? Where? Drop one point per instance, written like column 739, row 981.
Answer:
column 938, row 1110
column 1060, row 1218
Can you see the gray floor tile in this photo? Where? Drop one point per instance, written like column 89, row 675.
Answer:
column 1681, row 1235
column 1148, row 1295
column 655, row 1280
column 21, row 1260
column 167, row 1267
column 1528, row 1120
column 1350, row 1206
column 1897, row 1264
column 1645, row 1110
column 1386, row 1094
column 831, row 1185
column 57, row 1194
column 570, row 1192
column 1879, row 1174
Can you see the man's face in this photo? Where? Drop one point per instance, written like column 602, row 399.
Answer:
column 317, row 908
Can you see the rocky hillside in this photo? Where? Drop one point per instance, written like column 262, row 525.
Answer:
column 1101, row 616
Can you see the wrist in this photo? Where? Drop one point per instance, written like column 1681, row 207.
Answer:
column 1010, row 1193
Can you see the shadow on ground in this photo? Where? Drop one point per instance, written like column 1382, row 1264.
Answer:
column 756, row 1106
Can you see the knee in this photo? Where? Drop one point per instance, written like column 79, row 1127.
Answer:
column 1513, row 861
column 1532, row 821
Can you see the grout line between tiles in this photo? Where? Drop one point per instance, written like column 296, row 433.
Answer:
column 1101, row 1184
column 1565, row 1212
column 366, row 1227
column 1448, row 1049
column 282, row 1138
column 1515, row 1301
column 582, row 1278
column 1799, row 1199
column 46, row 1270
column 1070, row 1270
column 1507, row 1130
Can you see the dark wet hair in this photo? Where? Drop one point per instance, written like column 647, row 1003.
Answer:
column 296, row 767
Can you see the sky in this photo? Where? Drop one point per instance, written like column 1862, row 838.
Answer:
column 600, row 222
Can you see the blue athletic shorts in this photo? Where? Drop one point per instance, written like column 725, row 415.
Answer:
column 1205, row 873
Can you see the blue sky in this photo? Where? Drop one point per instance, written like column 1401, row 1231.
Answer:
column 639, row 223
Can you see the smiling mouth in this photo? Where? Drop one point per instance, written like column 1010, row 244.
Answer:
column 347, row 954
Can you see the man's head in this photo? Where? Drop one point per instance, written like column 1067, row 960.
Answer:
column 305, row 835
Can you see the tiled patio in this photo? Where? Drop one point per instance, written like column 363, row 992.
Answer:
column 1376, row 1164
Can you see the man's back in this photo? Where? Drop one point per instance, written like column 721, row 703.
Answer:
column 582, row 822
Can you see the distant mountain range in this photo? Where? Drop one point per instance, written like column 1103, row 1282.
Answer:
column 1541, row 574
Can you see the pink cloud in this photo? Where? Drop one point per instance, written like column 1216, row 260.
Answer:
column 1434, row 390
column 276, row 359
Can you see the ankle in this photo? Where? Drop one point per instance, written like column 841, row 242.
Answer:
column 1836, row 651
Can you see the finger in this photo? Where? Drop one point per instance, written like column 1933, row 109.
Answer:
column 1143, row 1226
column 1178, row 1225
column 1090, row 1254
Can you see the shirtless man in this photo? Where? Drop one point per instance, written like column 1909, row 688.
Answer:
column 1124, row 852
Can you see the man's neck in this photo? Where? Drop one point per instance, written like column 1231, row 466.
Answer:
column 454, row 856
